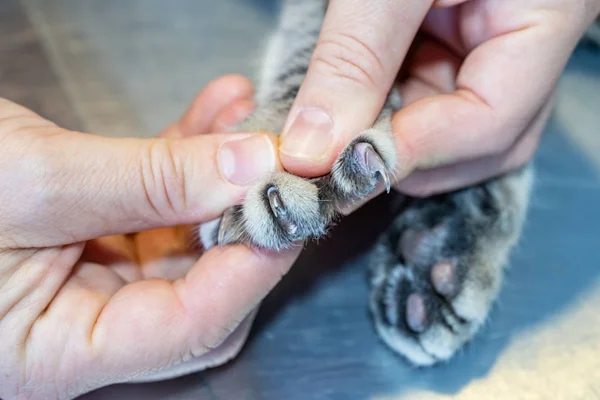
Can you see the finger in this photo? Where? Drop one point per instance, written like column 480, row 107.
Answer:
column 431, row 70
column 428, row 182
column 448, row 3
column 226, row 351
column 173, row 323
column 59, row 187
column 218, row 95
column 502, row 84
column 29, row 282
column 233, row 114
column 223, row 103
column 356, row 59
column 166, row 252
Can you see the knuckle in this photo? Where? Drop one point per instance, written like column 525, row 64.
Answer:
column 163, row 179
column 346, row 56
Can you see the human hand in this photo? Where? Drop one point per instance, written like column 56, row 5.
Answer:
column 477, row 90
column 77, row 312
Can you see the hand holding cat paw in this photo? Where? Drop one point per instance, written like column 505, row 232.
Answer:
column 476, row 85
column 80, row 309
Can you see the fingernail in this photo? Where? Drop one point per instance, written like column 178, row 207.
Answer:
column 243, row 161
column 309, row 136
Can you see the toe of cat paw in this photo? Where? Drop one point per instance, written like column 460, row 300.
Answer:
column 360, row 169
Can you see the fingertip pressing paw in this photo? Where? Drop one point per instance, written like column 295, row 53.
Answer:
column 285, row 209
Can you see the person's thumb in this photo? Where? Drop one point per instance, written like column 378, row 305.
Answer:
column 356, row 60
column 59, row 186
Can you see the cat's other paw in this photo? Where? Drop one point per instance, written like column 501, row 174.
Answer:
column 437, row 270
column 427, row 311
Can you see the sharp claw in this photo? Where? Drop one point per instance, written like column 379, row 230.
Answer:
column 280, row 212
column 275, row 202
column 375, row 164
column 225, row 219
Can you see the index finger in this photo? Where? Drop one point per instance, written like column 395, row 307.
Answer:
column 353, row 65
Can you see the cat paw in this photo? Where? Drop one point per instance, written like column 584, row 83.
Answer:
column 278, row 212
column 284, row 209
column 436, row 273
column 368, row 162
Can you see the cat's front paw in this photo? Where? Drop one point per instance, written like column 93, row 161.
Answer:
column 277, row 212
column 436, row 273
column 365, row 164
column 427, row 313
column 285, row 209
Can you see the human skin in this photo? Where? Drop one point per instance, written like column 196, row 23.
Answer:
column 82, row 306
column 477, row 85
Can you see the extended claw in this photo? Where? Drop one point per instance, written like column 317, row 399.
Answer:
column 375, row 165
column 280, row 211
column 275, row 202
column 223, row 225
